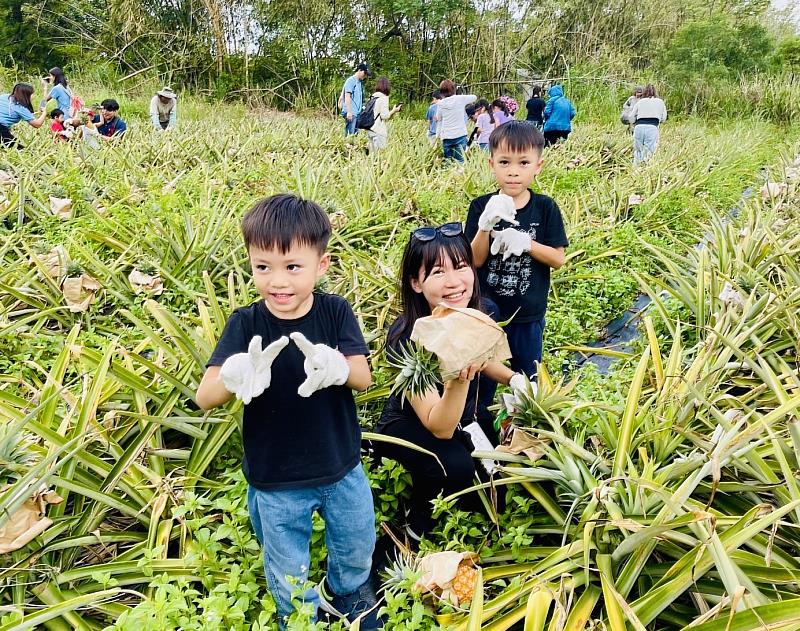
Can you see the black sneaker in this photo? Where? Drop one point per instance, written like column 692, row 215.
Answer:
column 362, row 604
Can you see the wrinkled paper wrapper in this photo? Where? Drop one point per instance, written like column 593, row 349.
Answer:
column 79, row 292
column 145, row 283
column 439, row 569
column 27, row 522
column 55, row 261
column 460, row 337
column 61, row 207
column 514, row 440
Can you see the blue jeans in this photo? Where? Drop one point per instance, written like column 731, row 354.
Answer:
column 645, row 142
column 350, row 126
column 525, row 341
column 282, row 522
column 453, row 148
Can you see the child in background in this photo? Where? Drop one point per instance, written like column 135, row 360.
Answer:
column 500, row 113
column 484, row 123
column 293, row 357
column 517, row 236
column 430, row 116
column 471, row 112
column 57, row 125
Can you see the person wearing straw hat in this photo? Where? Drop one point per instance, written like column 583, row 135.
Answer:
column 164, row 109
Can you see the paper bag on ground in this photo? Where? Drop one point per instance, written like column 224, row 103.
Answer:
column 27, row 522
column 61, row 207
column 460, row 337
column 79, row 292
column 55, row 261
column 145, row 283
column 448, row 575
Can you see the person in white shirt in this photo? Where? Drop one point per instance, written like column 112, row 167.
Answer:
column 647, row 114
column 378, row 134
column 452, row 120
column 164, row 109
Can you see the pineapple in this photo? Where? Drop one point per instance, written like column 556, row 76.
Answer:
column 418, row 370
column 463, row 587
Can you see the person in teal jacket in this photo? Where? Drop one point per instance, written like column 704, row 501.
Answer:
column 558, row 115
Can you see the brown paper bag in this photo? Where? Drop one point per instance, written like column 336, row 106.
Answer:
column 55, row 262
column 145, row 283
column 515, row 440
column 6, row 179
column 61, row 207
column 448, row 575
column 460, row 337
column 27, row 522
column 79, row 292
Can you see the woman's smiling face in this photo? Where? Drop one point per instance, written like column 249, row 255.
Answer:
column 448, row 283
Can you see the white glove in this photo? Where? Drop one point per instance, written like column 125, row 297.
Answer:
column 500, row 206
column 324, row 366
column 248, row 374
column 521, row 388
column 510, row 242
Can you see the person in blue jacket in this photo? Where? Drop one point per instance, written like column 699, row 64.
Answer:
column 558, row 115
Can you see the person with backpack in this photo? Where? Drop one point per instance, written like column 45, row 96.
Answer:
column 16, row 107
column 627, row 107
column 558, row 115
column 377, row 112
column 351, row 98
column 65, row 100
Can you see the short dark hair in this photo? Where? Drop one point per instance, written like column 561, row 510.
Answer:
column 283, row 220
column 537, row 91
column 470, row 110
column 110, row 104
column 437, row 95
column 516, row 136
column 56, row 113
column 383, row 85
column 447, row 88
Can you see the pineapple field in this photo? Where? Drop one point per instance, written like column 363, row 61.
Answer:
column 662, row 494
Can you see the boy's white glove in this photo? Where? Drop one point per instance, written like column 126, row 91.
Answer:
column 521, row 388
column 248, row 374
column 324, row 366
column 499, row 207
column 510, row 242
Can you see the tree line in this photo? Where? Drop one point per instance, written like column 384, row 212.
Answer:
column 292, row 50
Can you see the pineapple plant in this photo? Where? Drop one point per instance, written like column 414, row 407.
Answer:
column 417, row 369
column 74, row 270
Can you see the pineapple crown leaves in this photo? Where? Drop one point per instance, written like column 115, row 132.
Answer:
column 417, row 369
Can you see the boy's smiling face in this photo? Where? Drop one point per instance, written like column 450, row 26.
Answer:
column 286, row 280
column 515, row 170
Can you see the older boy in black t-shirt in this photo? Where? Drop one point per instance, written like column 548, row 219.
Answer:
column 517, row 236
column 294, row 358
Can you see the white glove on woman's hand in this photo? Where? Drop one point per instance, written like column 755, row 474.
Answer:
column 248, row 374
column 499, row 207
column 324, row 366
column 510, row 242
column 521, row 387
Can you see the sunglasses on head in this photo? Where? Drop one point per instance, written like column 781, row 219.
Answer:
column 428, row 233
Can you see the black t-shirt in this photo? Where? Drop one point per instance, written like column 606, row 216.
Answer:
column 399, row 409
column 520, row 282
column 535, row 107
column 292, row 441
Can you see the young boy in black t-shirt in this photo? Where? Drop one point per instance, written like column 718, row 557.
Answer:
column 517, row 236
column 294, row 358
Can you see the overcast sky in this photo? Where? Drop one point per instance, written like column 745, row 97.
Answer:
column 782, row 4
